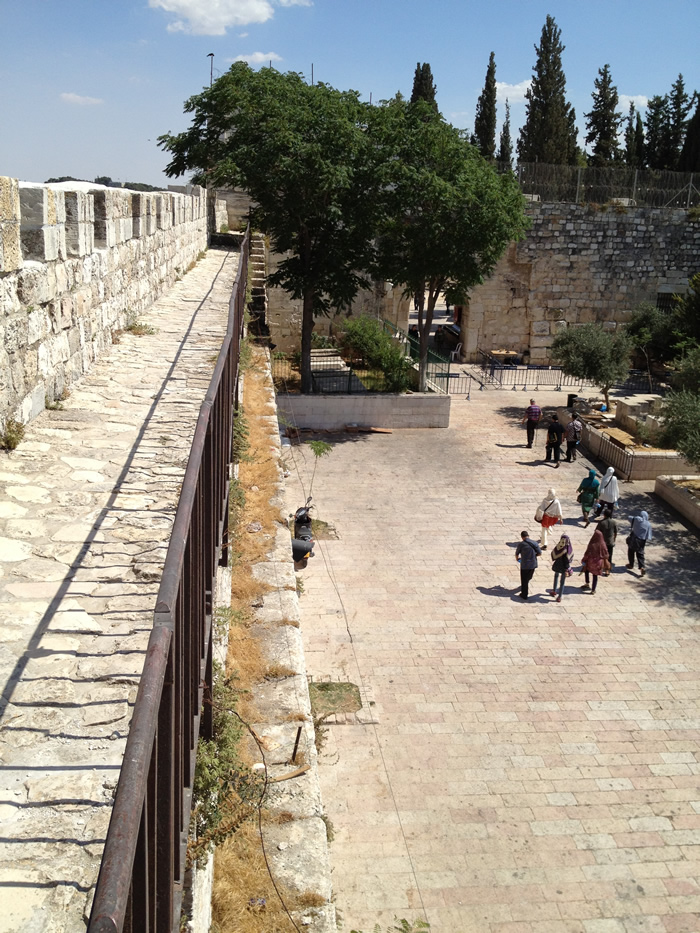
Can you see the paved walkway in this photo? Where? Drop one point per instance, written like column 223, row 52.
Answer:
column 86, row 505
column 531, row 768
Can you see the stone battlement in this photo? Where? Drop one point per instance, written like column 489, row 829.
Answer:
column 77, row 265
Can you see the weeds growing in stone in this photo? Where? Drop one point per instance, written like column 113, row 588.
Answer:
column 11, row 437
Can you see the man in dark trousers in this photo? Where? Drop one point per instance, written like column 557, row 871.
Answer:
column 572, row 433
column 555, row 434
column 532, row 415
column 526, row 554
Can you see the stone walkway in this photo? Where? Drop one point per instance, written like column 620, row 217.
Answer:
column 86, row 505
column 527, row 768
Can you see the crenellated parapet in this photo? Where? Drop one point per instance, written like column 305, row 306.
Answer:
column 77, row 264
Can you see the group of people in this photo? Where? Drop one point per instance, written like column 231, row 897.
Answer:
column 557, row 433
column 597, row 497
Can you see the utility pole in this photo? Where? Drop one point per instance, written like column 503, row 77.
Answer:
column 210, row 56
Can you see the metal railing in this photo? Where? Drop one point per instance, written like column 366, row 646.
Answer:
column 602, row 447
column 139, row 888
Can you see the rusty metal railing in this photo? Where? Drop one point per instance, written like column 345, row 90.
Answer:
column 139, row 888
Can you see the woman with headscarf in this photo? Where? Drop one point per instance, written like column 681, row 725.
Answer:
column 636, row 541
column 608, row 493
column 587, row 494
column 548, row 513
column 595, row 561
column 562, row 555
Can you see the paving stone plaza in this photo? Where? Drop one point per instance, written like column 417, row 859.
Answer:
column 530, row 767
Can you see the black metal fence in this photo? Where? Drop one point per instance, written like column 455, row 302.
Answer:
column 502, row 375
column 139, row 888
column 621, row 187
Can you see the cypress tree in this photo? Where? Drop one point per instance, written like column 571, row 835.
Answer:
column 689, row 160
column 423, row 85
column 505, row 149
column 549, row 132
column 604, row 121
column 485, row 121
column 679, row 106
column 639, row 142
column 656, row 126
column 634, row 138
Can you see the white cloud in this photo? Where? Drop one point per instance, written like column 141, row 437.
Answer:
column 515, row 93
column 639, row 100
column 80, row 100
column 214, row 17
column 242, row 35
column 258, row 58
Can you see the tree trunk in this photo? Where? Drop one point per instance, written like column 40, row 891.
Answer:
column 307, row 326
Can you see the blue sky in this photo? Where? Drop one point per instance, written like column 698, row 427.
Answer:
column 88, row 85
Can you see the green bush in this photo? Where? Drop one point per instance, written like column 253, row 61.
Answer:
column 365, row 338
column 682, row 424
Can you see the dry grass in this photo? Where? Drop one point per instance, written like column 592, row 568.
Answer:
column 244, row 897
column 245, row 900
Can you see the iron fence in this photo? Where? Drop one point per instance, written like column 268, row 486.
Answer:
column 620, row 186
column 139, row 888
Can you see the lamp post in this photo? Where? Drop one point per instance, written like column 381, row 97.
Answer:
column 210, row 56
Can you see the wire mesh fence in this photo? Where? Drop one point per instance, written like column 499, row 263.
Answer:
column 621, row 186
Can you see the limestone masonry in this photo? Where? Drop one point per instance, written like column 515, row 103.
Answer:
column 578, row 264
column 76, row 266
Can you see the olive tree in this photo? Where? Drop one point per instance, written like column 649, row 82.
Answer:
column 592, row 353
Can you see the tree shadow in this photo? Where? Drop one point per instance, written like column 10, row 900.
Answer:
column 672, row 556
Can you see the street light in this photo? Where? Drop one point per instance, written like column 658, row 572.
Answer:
column 211, row 69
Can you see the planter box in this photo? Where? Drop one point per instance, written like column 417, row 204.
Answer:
column 631, row 463
column 681, row 498
column 333, row 412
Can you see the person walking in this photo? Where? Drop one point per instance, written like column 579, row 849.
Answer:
column 595, row 560
column 555, row 434
column 526, row 554
column 608, row 529
column 562, row 556
column 548, row 514
column 636, row 541
column 608, row 493
column 587, row 494
column 532, row 416
column 572, row 433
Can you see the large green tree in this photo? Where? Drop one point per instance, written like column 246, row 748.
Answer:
column 505, row 145
column 485, row 120
column 303, row 154
column 448, row 215
column 634, row 138
column 679, row 106
column 689, row 160
column 590, row 352
column 656, row 131
column 603, row 121
column 424, row 85
column 549, row 131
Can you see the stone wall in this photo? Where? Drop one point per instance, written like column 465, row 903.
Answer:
column 334, row 412
column 579, row 264
column 75, row 267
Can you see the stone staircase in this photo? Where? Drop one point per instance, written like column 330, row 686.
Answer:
column 257, row 273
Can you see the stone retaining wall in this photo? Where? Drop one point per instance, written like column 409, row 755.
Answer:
column 333, row 412
column 681, row 498
column 76, row 266
column 579, row 264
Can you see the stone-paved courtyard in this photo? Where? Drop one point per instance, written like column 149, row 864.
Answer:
column 527, row 767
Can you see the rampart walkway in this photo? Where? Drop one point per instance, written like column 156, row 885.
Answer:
column 86, row 505
column 531, row 768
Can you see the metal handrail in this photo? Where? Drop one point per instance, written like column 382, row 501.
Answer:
column 139, row 888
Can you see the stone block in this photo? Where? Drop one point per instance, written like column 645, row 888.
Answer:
column 540, row 328
column 540, row 342
column 10, row 246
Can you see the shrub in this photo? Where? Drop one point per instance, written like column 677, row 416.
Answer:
column 365, row 338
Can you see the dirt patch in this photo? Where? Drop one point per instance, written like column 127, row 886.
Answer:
column 327, row 699
column 625, row 439
column 322, row 531
column 692, row 484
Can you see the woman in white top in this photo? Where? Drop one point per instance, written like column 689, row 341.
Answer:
column 548, row 513
column 609, row 493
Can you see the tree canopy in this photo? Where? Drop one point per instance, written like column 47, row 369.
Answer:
column 589, row 352
column 485, row 120
column 603, row 121
column 448, row 217
column 549, row 131
column 303, row 154
column 505, row 144
column 424, row 86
